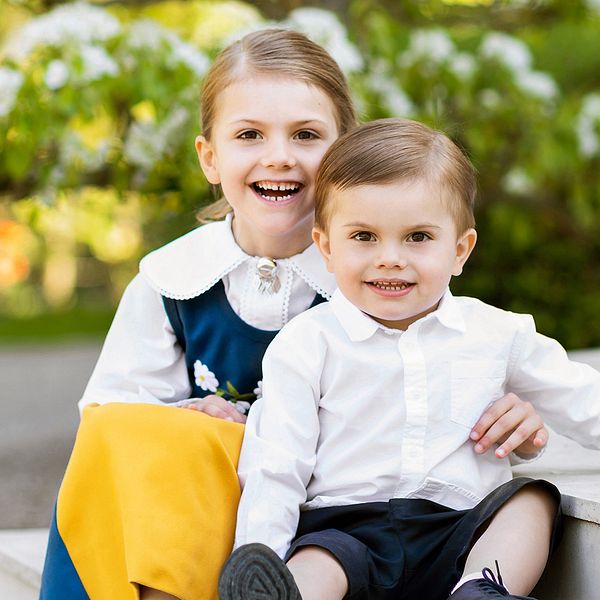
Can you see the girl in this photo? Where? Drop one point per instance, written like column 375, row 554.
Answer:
column 149, row 498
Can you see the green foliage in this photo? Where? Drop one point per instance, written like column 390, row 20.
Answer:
column 98, row 115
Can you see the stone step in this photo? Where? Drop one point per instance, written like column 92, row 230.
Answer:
column 21, row 560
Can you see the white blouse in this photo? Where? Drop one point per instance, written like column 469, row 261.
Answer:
column 141, row 360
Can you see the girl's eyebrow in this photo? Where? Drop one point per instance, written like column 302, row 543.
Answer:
column 254, row 122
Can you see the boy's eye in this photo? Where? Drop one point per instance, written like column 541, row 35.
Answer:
column 306, row 135
column 363, row 236
column 419, row 236
column 249, row 135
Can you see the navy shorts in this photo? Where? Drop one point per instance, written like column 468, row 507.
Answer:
column 405, row 549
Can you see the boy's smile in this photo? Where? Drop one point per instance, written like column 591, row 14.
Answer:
column 393, row 248
column 268, row 138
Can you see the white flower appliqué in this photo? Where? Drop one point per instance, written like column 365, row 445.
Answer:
column 204, row 377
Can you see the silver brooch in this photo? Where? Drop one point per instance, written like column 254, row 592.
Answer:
column 268, row 282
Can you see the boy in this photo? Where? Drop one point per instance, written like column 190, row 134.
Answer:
column 356, row 465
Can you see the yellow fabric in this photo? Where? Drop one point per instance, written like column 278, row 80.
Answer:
column 150, row 497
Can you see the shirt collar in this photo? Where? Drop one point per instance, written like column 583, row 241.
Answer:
column 193, row 263
column 360, row 326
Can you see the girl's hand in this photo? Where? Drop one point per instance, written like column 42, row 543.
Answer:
column 513, row 424
column 215, row 406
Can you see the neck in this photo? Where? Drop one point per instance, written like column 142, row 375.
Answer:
column 280, row 246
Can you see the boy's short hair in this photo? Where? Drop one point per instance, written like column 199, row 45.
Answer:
column 388, row 150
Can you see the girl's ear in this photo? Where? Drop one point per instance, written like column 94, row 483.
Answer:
column 464, row 247
column 321, row 240
column 208, row 159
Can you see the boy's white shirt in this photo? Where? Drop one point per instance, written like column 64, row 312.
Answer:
column 141, row 361
column 353, row 412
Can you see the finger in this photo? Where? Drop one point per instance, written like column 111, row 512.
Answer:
column 215, row 411
column 215, row 406
column 492, row 413
column 500, row 429
column 522, row 438
column 541, row 438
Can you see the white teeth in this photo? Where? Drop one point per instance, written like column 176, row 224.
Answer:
column 388, row 287
column 279, row 187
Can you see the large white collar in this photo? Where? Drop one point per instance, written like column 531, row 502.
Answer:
column 193, row 263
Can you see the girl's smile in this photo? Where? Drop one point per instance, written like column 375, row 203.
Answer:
column 268, row 138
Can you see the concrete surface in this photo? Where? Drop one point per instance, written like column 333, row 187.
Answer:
column 39, row 391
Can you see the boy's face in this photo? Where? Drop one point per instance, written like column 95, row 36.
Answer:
column 393, row 249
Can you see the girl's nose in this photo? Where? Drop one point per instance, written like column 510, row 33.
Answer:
column 278, row 154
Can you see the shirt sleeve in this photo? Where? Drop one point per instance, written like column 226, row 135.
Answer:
column 140, row 360
column 566, row 393
column 279, row 449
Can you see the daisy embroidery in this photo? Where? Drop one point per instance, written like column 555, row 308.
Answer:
column 204, row 377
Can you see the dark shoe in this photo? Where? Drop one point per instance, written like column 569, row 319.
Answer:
column 255, row 572
column 486, row 588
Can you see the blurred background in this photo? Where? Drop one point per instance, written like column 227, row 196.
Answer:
column 98, row 114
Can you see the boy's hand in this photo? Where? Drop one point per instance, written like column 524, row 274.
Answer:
column 215, row 406
column 513, row 424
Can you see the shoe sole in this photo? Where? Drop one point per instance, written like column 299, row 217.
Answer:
column 255, row 572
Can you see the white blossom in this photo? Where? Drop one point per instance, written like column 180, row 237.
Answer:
column 518, row 182
column 205, row 378
column 241, row 406
column 463, row 65
column 56, row 75
column 324, row 28
column 593, row 5
column 431, row 44
column 78, row 23
column 97, row 63
column 537, row 84
column 396, row 101
column 10, row 84
column 508, row 50
column 147, row 142
column 186, row 54
column 490, row 99
column 588, row 126
column 148, row 35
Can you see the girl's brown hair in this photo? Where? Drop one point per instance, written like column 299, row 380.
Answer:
column 390, row 150
column 279, row 52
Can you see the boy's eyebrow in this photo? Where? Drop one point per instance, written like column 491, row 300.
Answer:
column 362, row 225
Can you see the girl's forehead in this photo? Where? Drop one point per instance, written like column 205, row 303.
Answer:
column 268, row 97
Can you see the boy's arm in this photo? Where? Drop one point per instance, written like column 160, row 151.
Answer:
column 565, row 393
column 279, row 448
column 140, row 359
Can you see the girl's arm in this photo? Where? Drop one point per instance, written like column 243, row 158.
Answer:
column 141, row 360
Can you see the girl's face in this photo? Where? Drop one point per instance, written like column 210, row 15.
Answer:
column 268, row 138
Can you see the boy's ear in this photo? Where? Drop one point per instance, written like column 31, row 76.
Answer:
column 321, row 240
column 464, row 246
column 208, row 159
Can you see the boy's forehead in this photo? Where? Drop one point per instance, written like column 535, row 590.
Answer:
column 401, row 198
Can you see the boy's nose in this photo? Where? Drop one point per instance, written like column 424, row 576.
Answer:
column 278, row 154
column 391, row 257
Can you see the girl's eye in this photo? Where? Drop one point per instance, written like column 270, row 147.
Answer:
column 419, row 236
column 249, row 135
column 306, row 135
column 363, row 236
